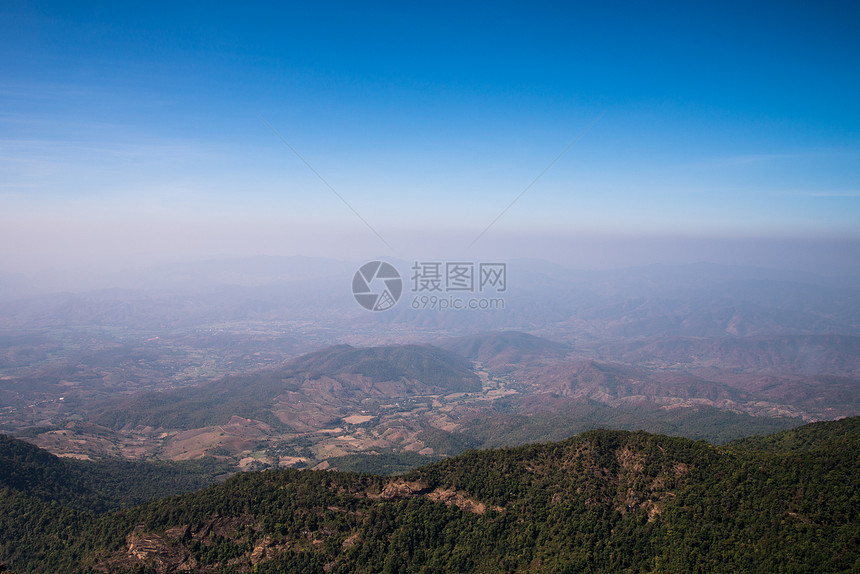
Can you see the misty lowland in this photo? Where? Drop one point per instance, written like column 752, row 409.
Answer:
column 675, row 417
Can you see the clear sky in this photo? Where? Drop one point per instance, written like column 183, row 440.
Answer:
column 139, row 131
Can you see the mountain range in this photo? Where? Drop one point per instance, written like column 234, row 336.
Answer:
column 436, row 400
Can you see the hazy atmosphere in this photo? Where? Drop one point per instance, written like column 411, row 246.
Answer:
column 592, row 135
column 429, row 287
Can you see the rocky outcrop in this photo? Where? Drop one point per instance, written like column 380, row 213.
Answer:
column 400, row 488
column 158, row 553
column 452, row 497
column 168, row 551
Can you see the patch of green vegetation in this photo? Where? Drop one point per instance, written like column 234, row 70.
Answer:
column 31, row 432
column 99, row 486
column 705, row 423
column 447, row 443
column 800, row 439
column 384, row 464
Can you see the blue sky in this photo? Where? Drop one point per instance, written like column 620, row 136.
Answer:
column 133, row 131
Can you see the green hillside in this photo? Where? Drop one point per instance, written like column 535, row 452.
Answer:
column 44, row 499
column 804, row 438
column 603, row 501
column 99, row 486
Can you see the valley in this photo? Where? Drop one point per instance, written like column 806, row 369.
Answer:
column 342, row 401
column 289, row 374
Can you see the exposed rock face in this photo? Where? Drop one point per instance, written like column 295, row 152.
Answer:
column 401, row 489
column 168, row 552
column 266, row 549
column 157, row 552
column 459, row 499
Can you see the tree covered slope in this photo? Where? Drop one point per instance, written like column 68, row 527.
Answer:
column 602, row 501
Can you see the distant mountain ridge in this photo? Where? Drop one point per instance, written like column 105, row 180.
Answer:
column 429, row 365
column 502, row 349
column 800, row 354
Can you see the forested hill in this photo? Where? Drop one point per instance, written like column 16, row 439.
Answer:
column 97, row 486
column 44, row 498
column 603, row 501
column 808, row 437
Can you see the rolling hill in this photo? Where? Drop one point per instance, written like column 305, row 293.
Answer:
column 334, row 377
column 504, row 350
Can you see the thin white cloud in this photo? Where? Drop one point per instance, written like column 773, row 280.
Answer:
column 46, row 91
column 755, row 158
column 827, row 193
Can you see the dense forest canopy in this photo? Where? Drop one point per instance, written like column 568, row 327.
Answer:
column 602, row 501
